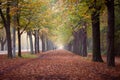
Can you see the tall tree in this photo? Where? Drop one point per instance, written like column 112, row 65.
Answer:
column 14, row 19
column 6, row 22
column 95, row 17
column 29, row 33
column 84, row 40
column 36, row 35
column 110, row 33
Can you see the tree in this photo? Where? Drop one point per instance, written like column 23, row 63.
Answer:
column 2, row 38
column 96, row 37
column 29, row 33
column 79, row 20
column 14, row 24
column 84, row 40
column 95, row 8
column 25, row 14
column 6, row 23
column 43, row 35
column 110, row 33
column 36, row 36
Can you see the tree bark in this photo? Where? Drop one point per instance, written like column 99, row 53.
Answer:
column 70, row 45
column 2, row 46
column 84, row 42
column 15, row 4
column 2, row 41
column 31, row 41
column 96, row 36
column 110, row 33
column 48, row 47
column 19, row 43
column 43, row 43
column 14, row 42
column 36, row 41
column 76, row 45
column 9, row 42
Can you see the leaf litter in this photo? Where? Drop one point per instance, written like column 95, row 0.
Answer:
column 56, row 65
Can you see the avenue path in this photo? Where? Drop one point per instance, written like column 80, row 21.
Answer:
column 56, row 65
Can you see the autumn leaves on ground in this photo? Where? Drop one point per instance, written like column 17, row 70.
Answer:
column 56, row 65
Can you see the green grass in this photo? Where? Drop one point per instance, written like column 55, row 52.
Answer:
column 29, row 55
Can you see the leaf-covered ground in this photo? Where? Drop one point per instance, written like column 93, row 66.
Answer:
column 56, row 65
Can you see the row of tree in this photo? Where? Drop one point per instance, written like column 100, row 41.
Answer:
column 94, row 8
column 24, row 16
column 64, row 22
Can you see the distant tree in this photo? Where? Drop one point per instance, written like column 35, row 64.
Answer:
column 29, row 33
column 36, row 37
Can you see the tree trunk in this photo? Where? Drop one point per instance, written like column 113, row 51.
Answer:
column 36, row 41
column 48, row 44
column 2, row 41
column 70, row 46
column 19, row 43
column 6, row 22
column 31, row 42
column 46, row 40
column 8, row 35
column 76, row 43
column 51, row 45
column 84, row 42
column 110, row 33
column 15, row 4
column 96, row 36
column 43, row 43
column 2, row 47
column 14, row 42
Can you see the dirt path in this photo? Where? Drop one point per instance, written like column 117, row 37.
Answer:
column 59, row 65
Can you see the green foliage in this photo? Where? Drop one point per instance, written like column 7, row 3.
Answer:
column 53, row 1
column 58, row 19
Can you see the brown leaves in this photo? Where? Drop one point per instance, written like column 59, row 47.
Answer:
column 57, row 65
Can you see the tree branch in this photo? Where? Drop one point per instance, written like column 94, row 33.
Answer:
column 25, row 27
column 76, row 25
